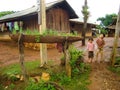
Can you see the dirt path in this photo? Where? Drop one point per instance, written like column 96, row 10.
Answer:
column 102, row 78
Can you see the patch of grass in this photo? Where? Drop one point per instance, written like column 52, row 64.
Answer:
column 60, row 78
column 1, row 87
column 15, row 69
column 77, row 82
column 40, row 86
column 116, row 69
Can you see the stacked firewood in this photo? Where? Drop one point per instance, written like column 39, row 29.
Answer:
column 36, row 46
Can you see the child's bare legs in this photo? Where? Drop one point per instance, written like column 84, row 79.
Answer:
column 101, row 55
column 90, row 60
column 97, row 54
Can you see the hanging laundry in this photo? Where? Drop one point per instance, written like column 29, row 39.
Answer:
column 21, row 25
column 2, row 27
column 16, row 26
column 10, row 26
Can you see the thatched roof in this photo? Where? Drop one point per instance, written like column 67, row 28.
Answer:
column 34, row 10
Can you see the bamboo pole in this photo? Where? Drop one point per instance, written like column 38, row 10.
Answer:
column 115, row 44
column 21, row 58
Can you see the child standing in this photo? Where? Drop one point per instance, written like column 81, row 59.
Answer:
column 100, row 44
column 90, row 49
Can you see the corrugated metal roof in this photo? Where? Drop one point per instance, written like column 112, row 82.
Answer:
column 20, row 13
column 34, row 10
column 82, row 21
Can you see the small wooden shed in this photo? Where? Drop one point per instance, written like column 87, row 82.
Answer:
column 77, row 25
column 58, row 14
column 111, row 29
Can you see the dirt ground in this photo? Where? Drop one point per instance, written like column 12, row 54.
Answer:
column 101, row 77
column 9, row 54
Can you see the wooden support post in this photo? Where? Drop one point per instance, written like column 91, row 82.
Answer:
column 21, row 57
column 117, row 33
column 42, row 28
column 67, row 59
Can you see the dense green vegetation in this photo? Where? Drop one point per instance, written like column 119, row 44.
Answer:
column 107, row 20
column 3, row 13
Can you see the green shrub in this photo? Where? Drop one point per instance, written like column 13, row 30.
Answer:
column 116, row 68
column 11, row 86
column 62, row 78
column 1, row 87
column 117, row 61
column 40, row 86
column 76, row 61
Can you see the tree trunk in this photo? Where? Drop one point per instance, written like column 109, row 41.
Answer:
column 86, row 15
column 117, row 32
column 42, row 28
column 84, row 31
column 21, row 52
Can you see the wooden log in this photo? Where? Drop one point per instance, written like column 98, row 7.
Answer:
column 46, row 38
column 21, row 52
column 67, row 59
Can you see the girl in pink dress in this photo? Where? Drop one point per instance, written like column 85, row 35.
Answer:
column 90, row 49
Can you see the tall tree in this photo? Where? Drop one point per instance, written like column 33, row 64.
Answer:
column 117, row 33
column 85, row 13
column 107, row 20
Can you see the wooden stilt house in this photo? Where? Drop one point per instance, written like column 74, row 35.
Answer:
column 58, row 14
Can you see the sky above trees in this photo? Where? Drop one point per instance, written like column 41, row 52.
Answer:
column 97, row 8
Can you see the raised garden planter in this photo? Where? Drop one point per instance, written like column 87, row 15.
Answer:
column 45, row 38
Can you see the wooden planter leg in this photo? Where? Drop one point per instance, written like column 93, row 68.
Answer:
column 67, row 59
column 21, row 56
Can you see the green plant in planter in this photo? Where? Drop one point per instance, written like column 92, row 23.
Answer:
column 37, row 38
column 50, row 32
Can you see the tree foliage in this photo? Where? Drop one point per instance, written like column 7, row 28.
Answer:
column 3, row 13
column 102, row 29
column 107, row 20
